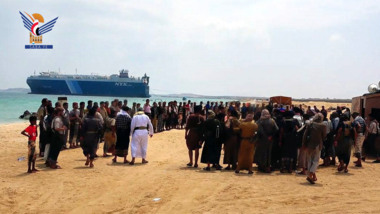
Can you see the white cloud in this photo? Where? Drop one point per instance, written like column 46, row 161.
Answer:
column 216, row 22
column 192, row 40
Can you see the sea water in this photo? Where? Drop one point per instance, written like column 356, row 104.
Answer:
column 13, row 104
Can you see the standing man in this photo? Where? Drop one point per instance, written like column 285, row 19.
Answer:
column 41, row 113
column 106, row 107
column 154, row 116
column 133, row 109
column 123, row 128
column 313, row 141
column 74, row 125
column 125, row 103
column 160, row 120
column 89, row 106
column 147, row 110
column 373, row 132
column 91, row 132
column 103, row 112
column 141, row 127
column 359, row 129
column 66, row 122
column 58, row 140
column 324, row 111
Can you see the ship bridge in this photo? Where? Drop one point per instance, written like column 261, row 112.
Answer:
column 123, row 73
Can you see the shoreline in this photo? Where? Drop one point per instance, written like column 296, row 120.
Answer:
column 14, row 123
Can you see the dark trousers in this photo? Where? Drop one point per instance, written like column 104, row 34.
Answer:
column 42, row 142
column 55, row 147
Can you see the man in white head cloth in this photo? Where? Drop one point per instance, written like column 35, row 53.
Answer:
column 141, row 127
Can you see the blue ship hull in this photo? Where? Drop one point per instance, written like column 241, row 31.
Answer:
column 88, row 87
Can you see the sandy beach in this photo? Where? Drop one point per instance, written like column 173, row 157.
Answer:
column 120, row 188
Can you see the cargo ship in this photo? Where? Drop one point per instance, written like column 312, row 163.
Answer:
column 89, row 85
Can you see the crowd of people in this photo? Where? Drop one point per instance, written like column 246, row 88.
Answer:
column 275, row 137
column 86, row 127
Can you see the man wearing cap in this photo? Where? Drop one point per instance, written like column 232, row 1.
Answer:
column 141, row 127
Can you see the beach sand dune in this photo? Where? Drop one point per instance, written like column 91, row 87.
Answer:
column 120, row 188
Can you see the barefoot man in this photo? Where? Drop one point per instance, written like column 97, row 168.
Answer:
column 141, row 127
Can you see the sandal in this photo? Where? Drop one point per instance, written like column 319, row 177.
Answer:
column 189, row 164
column 207, row 168
column 346, row 171
column 340, row 168
column 310, row 180
column 131, row 163
column 301, row 173
column 55, row 167
column 144, row 162
column 195, row 165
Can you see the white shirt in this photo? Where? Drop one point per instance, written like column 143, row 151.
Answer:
column 373, row 126
column 147, row 108
column 328, row 126
column 57, row 123
column 141, row 120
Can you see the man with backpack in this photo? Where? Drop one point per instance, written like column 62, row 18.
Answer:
column 313, row 141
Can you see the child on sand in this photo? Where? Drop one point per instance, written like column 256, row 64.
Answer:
column 31, row 133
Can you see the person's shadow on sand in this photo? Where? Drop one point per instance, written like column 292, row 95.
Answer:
column 83, row 167
column 243, row 174
column 124, row 164
column 306, row 183
column 343, row 174
column 188, row 168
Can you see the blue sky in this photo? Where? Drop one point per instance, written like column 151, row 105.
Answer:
column 295, row 48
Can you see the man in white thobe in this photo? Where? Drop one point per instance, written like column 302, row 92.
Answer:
column 141, row 127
